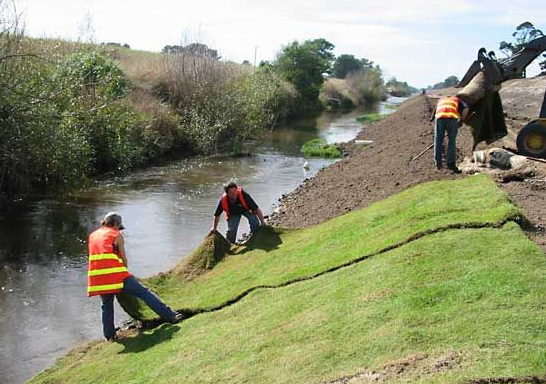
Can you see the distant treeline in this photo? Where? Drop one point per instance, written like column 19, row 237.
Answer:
column 450, row 81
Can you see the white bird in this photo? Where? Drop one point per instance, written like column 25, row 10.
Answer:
column 306, row 165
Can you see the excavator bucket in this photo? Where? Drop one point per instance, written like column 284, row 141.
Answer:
column 486, row 63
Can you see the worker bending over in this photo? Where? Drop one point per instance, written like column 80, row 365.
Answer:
column 236, row 202
column 449, row 115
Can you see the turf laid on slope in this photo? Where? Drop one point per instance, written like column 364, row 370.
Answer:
column 445, row 308
column 279, row 256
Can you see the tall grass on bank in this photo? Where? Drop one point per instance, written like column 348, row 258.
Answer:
column 71, row 110
column 360, row 88
column 221, row 104
column 336, row 94
column 367, row 85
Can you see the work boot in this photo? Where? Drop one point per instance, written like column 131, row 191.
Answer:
column 453, row 168
column 177, row 318
column 115, row 337
column 438, row 166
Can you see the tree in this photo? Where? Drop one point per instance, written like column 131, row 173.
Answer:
column 345, row 64
column 399, row 88
column 323, row 49
column 368, row 64
column 304, row 65
column 524, row 33
column 450, row 81
column 194, row 49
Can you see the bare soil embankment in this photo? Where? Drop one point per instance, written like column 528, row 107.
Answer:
column 372, row 173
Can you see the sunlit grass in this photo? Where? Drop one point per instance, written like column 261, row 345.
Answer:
column 319, row 148
column 370, row 117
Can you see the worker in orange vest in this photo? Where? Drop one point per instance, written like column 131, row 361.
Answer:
column 108, row 275
column 449, row 115
column 236, row 202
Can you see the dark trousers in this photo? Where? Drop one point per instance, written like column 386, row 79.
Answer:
column 233, row 225
column 135, row 288
column 441, row 127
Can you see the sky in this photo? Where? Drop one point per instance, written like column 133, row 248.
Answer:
column 421, row 42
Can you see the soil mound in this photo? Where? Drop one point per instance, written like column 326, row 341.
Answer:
column 373, row 172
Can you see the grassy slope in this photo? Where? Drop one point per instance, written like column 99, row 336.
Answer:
column 475, row 296
column 450, row 306
column 306, row 252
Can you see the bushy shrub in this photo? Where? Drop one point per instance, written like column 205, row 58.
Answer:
column 336, row 94
column 92, row 86
column 304, row 66
column 367, row 85
column 35, row 151
column 221, row 104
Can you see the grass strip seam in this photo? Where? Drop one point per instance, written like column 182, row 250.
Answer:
column 188, row 313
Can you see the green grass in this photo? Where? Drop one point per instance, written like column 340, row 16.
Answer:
column 319, row 148
column 456, row 304
column 276, row 259
column 391, row 106
column 473, row 298
column 370, row 117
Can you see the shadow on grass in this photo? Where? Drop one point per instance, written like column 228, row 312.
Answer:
column 146, row 341
column 266, row 238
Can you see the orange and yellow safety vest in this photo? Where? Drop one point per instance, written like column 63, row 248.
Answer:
column 106, row 271
column 448, row 108
column 225, row 201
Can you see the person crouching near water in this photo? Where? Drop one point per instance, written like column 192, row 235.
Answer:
column 236, row 202
column 108, row 275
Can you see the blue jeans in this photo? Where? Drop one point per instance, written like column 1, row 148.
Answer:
column 133, row 287
column 233, row 225
column 451, row 126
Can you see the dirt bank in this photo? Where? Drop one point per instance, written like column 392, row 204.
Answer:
column 372, row 173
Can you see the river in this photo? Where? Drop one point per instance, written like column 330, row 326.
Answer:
column 167, row 210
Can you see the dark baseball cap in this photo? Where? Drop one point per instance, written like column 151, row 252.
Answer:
column 111, row 218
